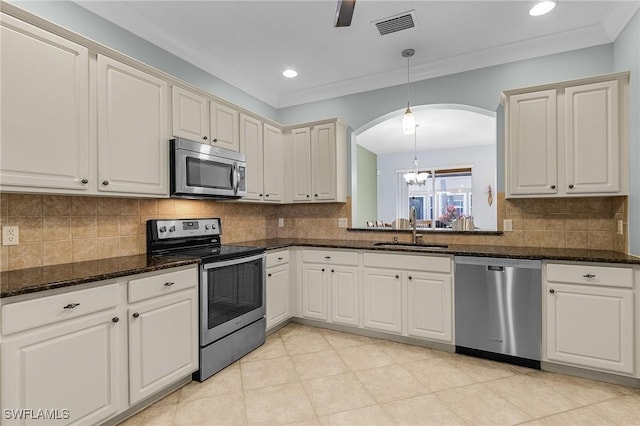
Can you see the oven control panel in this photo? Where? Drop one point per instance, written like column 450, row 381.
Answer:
column 181, row 228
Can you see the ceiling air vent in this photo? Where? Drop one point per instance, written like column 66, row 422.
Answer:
column 393, row 24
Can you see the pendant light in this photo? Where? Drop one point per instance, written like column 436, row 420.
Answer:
column 415, row 177
column 408, row 120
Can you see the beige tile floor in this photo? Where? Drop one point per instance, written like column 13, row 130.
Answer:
column 311, row 376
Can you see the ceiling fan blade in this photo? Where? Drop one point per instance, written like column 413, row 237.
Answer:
column 344, row 13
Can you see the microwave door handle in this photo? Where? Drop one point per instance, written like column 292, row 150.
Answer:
column 236, row 178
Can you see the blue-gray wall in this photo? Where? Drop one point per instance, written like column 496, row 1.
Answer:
column 78, row 19
column 626, row 57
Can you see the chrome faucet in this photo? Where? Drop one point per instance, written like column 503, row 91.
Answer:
column 412, row 219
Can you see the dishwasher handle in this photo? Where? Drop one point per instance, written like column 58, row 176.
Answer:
column 495, row 268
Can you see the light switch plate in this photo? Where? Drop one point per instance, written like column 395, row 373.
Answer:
column 280, row 222
column 10, row 236
column 620, row 227
column 342, row 222
column 507, row 225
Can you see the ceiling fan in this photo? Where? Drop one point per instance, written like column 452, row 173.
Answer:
column 344, row 13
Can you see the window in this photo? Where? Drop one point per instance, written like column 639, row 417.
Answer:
column 445, row 196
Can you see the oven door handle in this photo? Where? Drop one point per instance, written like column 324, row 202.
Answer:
column 236, row 261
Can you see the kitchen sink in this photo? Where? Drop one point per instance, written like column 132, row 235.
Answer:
column 415, row 246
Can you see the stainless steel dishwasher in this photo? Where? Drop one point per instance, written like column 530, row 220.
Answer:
column 498, row 309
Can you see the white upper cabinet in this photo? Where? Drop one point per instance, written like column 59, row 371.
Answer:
column 190, row 115
column 323, row 161
column 592, row 145
column 198, row 118
column 533, row 143
column 224, row 126
column 251, row 147
column 318, row 158
column 263, row 148
column 132, row 130
column 568, row 139
column 273, row 151
column 45, row 110
column 301, row 164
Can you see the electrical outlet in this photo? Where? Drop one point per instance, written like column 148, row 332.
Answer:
column 507, row 225
column 10, row 236
column 342, row 222
column 620, row 227
column 280, row 222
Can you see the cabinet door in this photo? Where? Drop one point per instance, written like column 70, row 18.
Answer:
column 315, row 292
column 345, row 295
column 251, row 147
column 72, row 366
column 382, row 291
column 190, row 115
column 163, row 343
column 44, row 109
column 277, row 295
column 323, row 161
column 590, row 326
column 429, row 312
column 273, row 164
column 532, row 144
column 224, row 126
column 132, row 130
column 301, row 166
column 592, row 143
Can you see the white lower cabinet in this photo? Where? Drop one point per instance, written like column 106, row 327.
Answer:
column 429, row 306
column 163, row 343
column 345, row 292
column 277, row 288
column 382, row 295
column 62, row 352
column 68, row 351
column 315, row 291
column 590, row 317
column 71, row 366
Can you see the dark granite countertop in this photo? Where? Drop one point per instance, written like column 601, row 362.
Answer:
column 23, row 281
column 577, row 255
column 31, row 280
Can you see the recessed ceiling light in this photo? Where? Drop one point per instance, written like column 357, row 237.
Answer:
column 542, row 7
column 290, row 73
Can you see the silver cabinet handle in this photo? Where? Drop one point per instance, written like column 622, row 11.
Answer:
column 71, row 306
column 169, row 284
column 589, row 276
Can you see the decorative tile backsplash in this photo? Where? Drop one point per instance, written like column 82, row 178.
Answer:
column 58, row 229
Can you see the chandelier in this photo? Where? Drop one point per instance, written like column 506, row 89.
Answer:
column 415, row 177
column 408, row 120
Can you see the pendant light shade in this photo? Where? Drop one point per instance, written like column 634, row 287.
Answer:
column 408, row 120
column 415, row 177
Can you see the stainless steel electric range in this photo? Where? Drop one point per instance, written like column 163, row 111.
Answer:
column 232, row 288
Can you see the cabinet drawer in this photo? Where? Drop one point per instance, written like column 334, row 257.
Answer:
column 331, row 257
column 33, row 313
column 412, row 262
column 587, row 274
column 277, row 258
column 158, row 285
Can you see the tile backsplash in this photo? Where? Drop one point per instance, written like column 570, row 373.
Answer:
column 58, row 229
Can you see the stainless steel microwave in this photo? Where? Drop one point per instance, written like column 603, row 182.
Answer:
column 202, row 171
